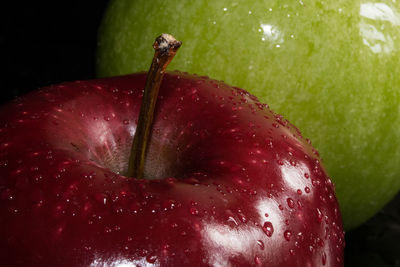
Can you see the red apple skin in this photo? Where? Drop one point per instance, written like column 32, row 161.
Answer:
column 230, row 182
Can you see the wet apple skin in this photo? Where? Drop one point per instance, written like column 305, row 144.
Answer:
column 330, row 67
column 228, row 181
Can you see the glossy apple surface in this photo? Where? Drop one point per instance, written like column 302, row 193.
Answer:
column 330, row 67
column 229, row 182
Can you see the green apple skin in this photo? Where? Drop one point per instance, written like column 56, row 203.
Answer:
column 331, row 67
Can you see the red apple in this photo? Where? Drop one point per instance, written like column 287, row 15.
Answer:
column 227, row 181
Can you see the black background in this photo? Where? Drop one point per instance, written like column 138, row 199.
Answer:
column 43, row 43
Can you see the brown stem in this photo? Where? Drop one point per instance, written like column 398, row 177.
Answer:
column 165, row 48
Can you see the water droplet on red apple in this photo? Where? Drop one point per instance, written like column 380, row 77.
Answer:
column 142, row 252
column 323, row 258
column 37, row 177
column 193, row 211
column 299, row 205
column 87, row 206
column 232, row 219
column 7, row 194
column 320, row 242
column 300, row 236
column 101, row 198
column 242, row 218
column 307, row 189
column 3, row 163
column 195, row 97
column 257, row 260
column 319, row 215
column 268, row 228
column 287, row 234
column 291, row 252
column 315, row 182
column 290, row 203
column 275, row 125
column 5, row 145
column 260, row 244
column 87, row 248
column 17, row 171
column 151, row 259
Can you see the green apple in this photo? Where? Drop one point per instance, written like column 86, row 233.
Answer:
column 331, row 67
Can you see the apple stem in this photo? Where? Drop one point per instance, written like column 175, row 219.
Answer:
column 165, row 47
